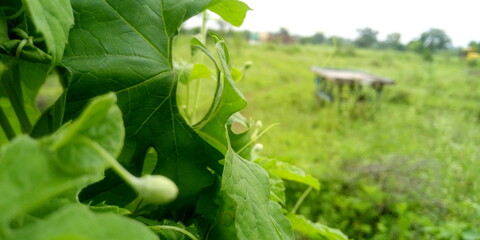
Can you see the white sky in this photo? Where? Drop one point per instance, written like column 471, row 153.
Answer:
column 460, row 19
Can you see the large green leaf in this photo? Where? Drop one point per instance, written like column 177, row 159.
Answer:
column 53, row 19
column 256, row 216
column 137, row 65
column 218, row 209
column 232, row 11
column 76, row 222
column 33, row 172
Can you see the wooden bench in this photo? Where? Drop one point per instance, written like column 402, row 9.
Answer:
column 326, row 79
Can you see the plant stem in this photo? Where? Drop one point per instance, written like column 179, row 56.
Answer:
column 185, row 232
column 117, row 167
column 301, row 199
column 6, row 126
column 187, row 105
column 253, row 140
column 196, row 100
column 203, row 38
column 203, row 30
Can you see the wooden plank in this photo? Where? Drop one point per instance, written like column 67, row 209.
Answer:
column 346, row 76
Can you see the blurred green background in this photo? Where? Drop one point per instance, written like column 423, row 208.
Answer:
column 405, row 167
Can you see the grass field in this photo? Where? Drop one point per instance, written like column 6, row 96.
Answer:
column 404, row 168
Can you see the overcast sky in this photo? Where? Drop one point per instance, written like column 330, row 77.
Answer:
column 460, row 18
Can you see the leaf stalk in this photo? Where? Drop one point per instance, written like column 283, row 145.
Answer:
column 300, row 200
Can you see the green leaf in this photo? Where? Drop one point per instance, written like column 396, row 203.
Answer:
column 100, row 123
column 137, row 65
column 289, row 172
column 256, row 216
column 21, row 84
column 200, row 71
column 52, row 118
column 188, row 73
column 237, row 74
column 33, row 172
column 315, row 230
column 232, row 11
column 228, row 100
column 104, row 208
column 32, row 76
column 26, row 186
column 219, row 210
column 53, row 19
column 277, row 189
column 244, row 142
column 183, row 70
column 76, row 222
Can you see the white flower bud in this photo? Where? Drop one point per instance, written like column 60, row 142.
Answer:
column 156, row 189
column 257, row 147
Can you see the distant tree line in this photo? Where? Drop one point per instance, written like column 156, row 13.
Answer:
column 428, row 43
column 432, row 40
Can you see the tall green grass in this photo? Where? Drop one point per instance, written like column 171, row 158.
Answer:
column 406, row 167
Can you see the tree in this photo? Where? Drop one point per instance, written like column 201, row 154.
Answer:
column 367, row 37
column 317, row 38
column 434, row 40
column 283, row 36
column 474, row 44
column 393, row 41
column 417, row 46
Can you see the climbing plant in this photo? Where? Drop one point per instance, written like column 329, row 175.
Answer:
column 113, row 157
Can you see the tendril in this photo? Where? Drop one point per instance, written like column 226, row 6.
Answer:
column 20, row 32
column 20, row 47
column 18, row 13
column 40, row 39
